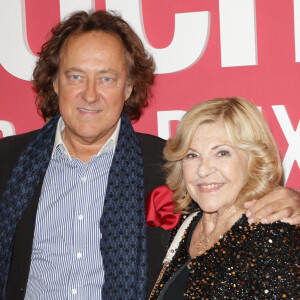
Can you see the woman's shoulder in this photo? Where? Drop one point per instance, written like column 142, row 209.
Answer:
column 270, row 238
column 274, row 250
column 277, row 232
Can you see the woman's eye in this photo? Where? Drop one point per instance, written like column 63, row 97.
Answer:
column 106, row 79
column 191, row 155
column 223, row 153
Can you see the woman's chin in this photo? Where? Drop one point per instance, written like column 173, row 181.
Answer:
column 209, row 206
column 209, row 210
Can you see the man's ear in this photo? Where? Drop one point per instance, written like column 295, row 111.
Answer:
column 55, row 85
column 128, row 90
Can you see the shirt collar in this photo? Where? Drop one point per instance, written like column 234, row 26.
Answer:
column 110, row 144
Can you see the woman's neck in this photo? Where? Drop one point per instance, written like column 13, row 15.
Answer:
column 219, row 221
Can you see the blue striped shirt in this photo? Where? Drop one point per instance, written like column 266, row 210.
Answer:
column 66, row 260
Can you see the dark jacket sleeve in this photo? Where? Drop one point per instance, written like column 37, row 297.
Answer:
column 152, row 148
column 10, row 150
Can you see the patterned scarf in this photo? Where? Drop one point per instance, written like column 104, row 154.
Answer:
column 123, row 244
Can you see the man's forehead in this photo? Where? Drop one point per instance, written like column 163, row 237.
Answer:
column 98, row 40
column 97, row 35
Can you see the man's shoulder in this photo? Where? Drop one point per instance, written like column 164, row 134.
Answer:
column 16, row 143
column 12, row 146
column 152, row 147
column 19, row 138
column 150, row 141
column 10, row 149
column 149, row 137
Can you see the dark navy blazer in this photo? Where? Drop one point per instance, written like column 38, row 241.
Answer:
column 10, row 149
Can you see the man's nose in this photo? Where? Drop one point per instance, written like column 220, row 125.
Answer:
column 90, row 93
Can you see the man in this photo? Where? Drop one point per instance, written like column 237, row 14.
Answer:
column 72, row 193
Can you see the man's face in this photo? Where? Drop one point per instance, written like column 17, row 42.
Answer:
column 92, row 87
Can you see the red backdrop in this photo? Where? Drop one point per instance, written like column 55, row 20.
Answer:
column 271, row 81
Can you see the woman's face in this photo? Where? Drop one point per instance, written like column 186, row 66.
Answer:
column 214, row 170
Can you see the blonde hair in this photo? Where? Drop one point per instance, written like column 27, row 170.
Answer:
column 246, row 129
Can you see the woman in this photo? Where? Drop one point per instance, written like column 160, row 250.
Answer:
column 222, row 155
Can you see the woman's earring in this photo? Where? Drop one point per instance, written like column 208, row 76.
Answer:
column 183, row 197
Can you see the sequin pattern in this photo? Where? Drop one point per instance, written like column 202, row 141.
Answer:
column 250, row 262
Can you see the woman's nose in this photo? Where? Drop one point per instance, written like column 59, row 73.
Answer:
column 206, row 167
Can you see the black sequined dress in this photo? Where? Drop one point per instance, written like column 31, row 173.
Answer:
column 249, row 262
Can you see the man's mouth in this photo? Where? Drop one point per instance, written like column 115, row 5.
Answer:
column 89, row 110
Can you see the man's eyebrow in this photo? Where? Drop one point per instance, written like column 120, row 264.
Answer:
column 104, row 71
column 73, row 69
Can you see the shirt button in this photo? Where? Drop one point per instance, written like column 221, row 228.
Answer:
column 79, row 255
column 74, row 291
column 83, row 178
column 80, row 217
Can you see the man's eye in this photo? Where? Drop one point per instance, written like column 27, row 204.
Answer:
column 75, row 77
column 223, row 153
column 108, row 81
